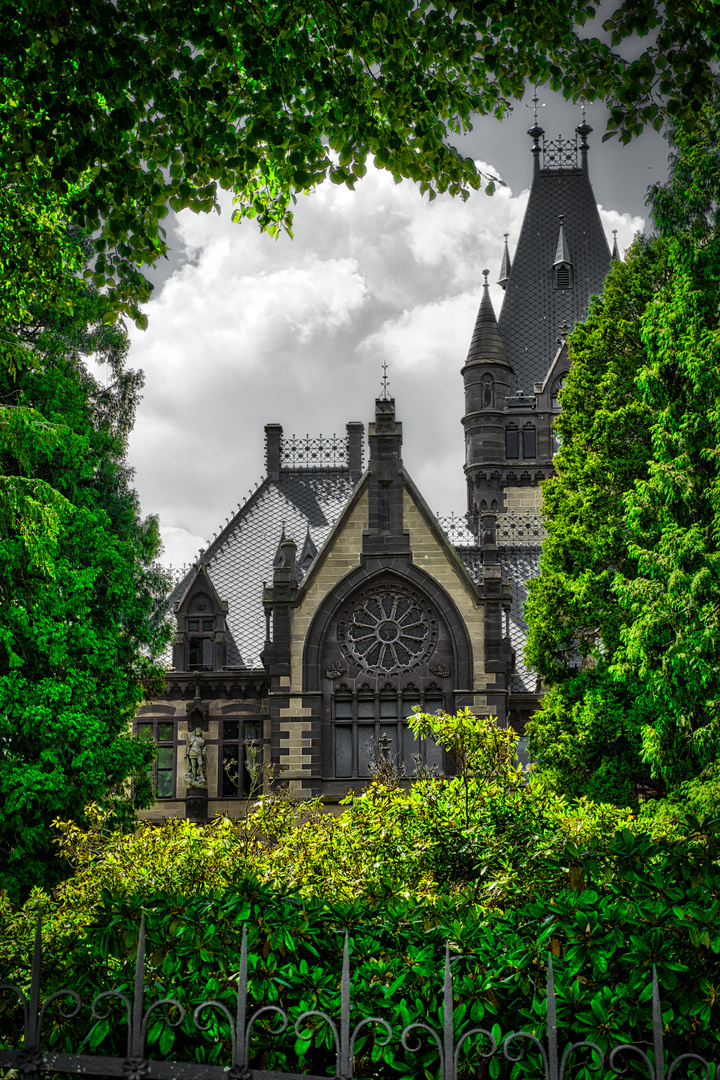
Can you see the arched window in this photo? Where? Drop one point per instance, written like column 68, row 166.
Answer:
column 558, row 387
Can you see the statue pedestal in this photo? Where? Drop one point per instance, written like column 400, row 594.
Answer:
column 196, row 805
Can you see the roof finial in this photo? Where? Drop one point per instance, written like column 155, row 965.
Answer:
column 486, row 275
column 615, row 256
column 384, row 396
column 535, row 102
column 506, row 264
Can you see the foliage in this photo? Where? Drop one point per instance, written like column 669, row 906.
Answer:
column 110, row 113
column 640, row 904
column 389, row 842
column 623, row 618
column 81, row 601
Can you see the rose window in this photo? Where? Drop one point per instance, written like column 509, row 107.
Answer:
column 387, row 631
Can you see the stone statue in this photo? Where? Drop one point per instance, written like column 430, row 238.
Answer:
column 196, row 755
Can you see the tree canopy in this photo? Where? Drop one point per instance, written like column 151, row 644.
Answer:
column 110, row 113
column 81, row 602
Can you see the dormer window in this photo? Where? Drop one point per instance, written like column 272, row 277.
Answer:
column 562, row 266
column 563, row 276
column 201, row 634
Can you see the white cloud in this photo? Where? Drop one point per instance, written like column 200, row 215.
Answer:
column 251, row 330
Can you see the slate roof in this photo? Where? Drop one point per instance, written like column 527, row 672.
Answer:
column 519, row 564
column 533, row 310
column 301, row 502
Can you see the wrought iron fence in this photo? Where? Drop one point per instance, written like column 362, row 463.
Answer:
column 31, row 1059
column 522, row 528
column 307, row 452
column 560, row 153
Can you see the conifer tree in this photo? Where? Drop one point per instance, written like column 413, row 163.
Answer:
column 81, row 618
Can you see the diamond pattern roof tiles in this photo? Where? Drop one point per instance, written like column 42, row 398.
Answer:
column 519, row 564
column 533, row 309
column 301, row 502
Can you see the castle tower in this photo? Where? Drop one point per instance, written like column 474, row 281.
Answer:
column 488, row 381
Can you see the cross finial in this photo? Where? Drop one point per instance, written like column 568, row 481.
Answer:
column 384, row 396
column 535, row 103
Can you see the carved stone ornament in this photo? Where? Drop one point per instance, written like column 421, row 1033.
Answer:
column 387, row 630
column 335, row 671
column 441, row 670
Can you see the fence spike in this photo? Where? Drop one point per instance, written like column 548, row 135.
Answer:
column 135, row 1048
column 345, row 1048
column 552, row 1023
column 241, row 1036
column 30, row 1041
column 448, row 1056
column 657, row 1029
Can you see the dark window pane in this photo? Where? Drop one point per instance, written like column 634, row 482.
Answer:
column 207, row 654
column 388, row 708
column 193, row 625
column 343, row 751
column 164, row 784
column 366, row 710
column 512, row 447
column 432, row 705
column 252, row 730
column 433, row 755
column 166, row 731
column 230, row 782
column 408, row 705
column 231, row 729
column 208, row 624
column 389, row 731
column 529, row 447
column 145, row 733
column 343, row 710
column 411, row 749
column 522, row 752
column 165, row 757
column 194, row 654
column 366, row 748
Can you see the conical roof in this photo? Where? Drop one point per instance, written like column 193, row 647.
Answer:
column 532, row 307
column 487, row 344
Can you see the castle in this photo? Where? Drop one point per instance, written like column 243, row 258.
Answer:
column 335, row 601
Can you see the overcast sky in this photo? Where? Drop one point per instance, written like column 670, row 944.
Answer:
column 245, row 330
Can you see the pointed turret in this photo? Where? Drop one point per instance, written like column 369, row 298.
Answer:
column 486, row 344
column 308, row 553
column 488, row 381
column 615, row 249
column 506, row 265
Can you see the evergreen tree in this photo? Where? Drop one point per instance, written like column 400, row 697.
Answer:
column 81, row 619
column 587, row 732
column 624, row 615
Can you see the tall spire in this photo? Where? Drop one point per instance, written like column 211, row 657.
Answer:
column 506, row 265
column 486, row 342
column 615, row 249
